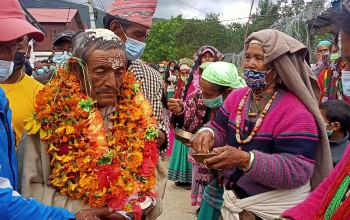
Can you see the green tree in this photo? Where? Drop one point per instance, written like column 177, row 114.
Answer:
column 161, row 43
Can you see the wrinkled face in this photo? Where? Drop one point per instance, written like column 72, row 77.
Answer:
column 207, row 88
column 254, row 60
column 323, row 49
column 345, row 49
column 106, row 70
column 207, row 57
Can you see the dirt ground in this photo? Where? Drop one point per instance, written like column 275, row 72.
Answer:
column 177, row 202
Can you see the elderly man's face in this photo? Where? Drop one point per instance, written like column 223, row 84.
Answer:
column 106, row 69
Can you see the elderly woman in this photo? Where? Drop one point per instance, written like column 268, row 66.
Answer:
column 273, row 134
column 189, row 114
column 86, row 152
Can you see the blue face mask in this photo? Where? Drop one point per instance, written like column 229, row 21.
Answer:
column 40, row 71
column 59, row 57
column 256, row 79
column 134, row 48
column 53, row 68
column 214, row 102
column 6, row 68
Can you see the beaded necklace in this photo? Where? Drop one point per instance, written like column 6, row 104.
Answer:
column 257, row 123
column 257, row 104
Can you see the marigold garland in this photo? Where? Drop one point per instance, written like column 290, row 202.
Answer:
column 98, row 166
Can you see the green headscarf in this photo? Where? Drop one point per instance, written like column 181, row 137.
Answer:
column 186, row 61
column 222, row 73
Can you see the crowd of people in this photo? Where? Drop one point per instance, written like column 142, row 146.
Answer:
column 83, row 133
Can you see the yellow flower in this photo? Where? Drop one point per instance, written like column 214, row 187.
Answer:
column 69, row 129
column 43, row 134
column 32, row 125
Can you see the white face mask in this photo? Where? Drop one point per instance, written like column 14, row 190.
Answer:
column 6, row 68
column 345, row 79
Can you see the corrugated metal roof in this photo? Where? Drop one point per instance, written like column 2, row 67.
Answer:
column 53, row 14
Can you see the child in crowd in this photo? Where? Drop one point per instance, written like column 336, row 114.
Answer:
column 336, row 115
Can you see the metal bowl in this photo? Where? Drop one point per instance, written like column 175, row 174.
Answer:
column 183, row 136
column 199, row 158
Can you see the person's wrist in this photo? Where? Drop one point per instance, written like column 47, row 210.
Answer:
column 181, row 111
column 207, row 129
column 248, row 161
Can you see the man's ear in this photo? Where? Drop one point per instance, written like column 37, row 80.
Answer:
column 336, row 126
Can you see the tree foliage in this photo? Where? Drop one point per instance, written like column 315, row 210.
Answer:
column 178, row 38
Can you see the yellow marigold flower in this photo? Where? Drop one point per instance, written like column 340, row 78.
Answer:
column 69, row 129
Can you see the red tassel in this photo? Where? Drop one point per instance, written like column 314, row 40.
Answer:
column 137, row 211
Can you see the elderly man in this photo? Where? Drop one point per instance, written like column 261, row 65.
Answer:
column 102, row 135
column 131, row 21
column 13, row 205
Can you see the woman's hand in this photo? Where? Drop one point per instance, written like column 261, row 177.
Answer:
column 175, row 105
column 203, row 141
column 93, row 213
column 229, row 157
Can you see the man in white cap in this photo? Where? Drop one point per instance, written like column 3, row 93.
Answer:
column 131, row 21
column 12, row 205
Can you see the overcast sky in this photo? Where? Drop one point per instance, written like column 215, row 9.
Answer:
column 232, row 10
column 228, row 9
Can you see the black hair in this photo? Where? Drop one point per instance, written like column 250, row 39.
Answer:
column 337, row 111
column 343, row 21
column 167, row 71
column 107, row 20
column 44, row 61
column 177, row 67
column 63, row 40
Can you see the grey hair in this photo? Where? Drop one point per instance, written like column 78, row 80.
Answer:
column 95, row 39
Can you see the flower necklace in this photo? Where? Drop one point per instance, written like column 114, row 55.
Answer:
column 114, row 168
column 257, row 123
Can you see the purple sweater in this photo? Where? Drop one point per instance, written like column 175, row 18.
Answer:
column 284, row 146
column 309, row 208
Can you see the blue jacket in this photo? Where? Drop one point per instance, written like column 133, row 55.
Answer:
column 12, row 205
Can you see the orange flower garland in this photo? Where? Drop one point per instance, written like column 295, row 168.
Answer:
column 89, row 162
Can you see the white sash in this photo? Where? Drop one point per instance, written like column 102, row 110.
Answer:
column 269, row 205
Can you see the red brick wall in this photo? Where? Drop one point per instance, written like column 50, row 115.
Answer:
column 51, row 31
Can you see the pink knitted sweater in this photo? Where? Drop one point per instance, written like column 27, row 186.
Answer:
column 284, row 146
